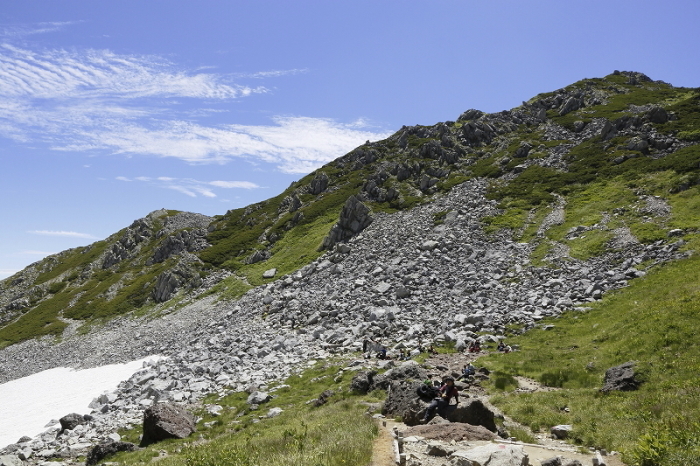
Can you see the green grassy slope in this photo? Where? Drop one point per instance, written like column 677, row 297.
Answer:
column 338, row 433
column 653, row 322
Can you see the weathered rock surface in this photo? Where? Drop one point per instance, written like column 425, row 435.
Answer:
column 71, row 421
column 354, row 218
column 476, row 412
column 102, row 451
column 620, row 378
column 166, row 420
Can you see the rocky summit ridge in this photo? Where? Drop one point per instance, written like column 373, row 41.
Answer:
column 452, row 232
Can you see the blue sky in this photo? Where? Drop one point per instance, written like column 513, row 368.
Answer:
column 110, row 110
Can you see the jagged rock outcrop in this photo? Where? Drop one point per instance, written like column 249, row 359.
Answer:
column 258, row 256
column 354, row 218
column 318, row 184
column 179, row 242
column 71, row 421
column 403, row 401
column 185, row 274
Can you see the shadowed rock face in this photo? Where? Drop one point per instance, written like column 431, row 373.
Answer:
column 474, row 412
column 402, row 400
column 165, row 420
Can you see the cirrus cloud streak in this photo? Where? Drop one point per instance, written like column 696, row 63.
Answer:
column 100, row 102
column 69, row 234
column 191, row 187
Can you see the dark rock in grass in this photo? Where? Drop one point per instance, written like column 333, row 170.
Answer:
column 165, row 420
column 620, row 378
column 100, row 452
column 362, row 381
column 657, row 114
column 323, row 398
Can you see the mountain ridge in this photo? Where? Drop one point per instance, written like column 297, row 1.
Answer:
column 527, row 151
column 480, row 228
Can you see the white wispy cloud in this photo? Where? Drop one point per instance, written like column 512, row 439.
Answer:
column 36, row 28
column 98, row 101
column 192, row 187
column 99, row 73
column 274, row 73
column 294, row 144
column 70, row 234
column 234, row 184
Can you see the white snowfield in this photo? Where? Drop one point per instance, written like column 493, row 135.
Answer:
column 29, row 403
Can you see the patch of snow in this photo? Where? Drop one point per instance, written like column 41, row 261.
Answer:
column 30, row 402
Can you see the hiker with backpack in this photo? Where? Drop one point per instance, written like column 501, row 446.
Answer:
column 442, row 401
column 468, row 371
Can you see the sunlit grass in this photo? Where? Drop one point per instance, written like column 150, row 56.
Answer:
column 652, row 322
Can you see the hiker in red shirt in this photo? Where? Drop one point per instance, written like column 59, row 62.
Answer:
column 445, row 394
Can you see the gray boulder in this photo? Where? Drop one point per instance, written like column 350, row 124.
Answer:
column 620, row 378
column 571, row 104
column 408, row 371
column 554, row 461
column 354, row 218
column 10, row 460
column 318, row 184
column 362, row 381
column 523, row 150
column 657, row 114
column 561, row 431
column 258, row 398
column 100, row 452
column 71, row 421
column 257, row 256
column 166, row 420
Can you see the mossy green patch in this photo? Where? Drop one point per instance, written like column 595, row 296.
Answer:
column 71, row 260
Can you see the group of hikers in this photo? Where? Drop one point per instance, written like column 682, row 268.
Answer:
column 441, row 393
